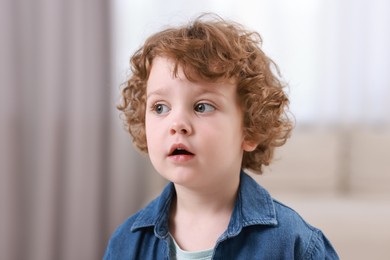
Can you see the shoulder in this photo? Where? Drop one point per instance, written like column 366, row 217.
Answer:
column 289, row 218
column 143, row 219
column 123, row 241
column 281, row 226
column 133, row 238
column 120, row 239
column 124, row 230
column 309, row 241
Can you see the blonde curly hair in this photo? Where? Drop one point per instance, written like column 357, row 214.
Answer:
column 210, row 48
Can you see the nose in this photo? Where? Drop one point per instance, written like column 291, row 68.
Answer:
column 181, row 126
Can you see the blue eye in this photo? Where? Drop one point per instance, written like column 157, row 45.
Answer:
column 204, row 108
column 161, row 108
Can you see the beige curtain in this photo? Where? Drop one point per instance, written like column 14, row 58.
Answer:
column 63, row 149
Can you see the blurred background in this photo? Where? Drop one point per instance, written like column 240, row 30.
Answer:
column 69, row 174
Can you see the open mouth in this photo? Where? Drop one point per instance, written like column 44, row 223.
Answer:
column 180, row 151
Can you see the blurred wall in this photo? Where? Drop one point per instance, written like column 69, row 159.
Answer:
column 55, row 128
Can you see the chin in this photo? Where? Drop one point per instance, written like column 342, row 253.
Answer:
column 183, row 178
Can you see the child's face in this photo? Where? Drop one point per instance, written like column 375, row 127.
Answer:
column 194, row 129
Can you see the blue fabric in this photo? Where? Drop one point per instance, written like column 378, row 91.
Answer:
column 260, row 228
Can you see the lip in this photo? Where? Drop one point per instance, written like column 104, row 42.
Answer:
column 180, row 157
column 178, row 146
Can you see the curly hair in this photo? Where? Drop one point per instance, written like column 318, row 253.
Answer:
column 212, row 49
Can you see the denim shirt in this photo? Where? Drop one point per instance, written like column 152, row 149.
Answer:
column 259, row 228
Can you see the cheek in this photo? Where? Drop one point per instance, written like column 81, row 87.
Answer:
column 153, row 131
column 149, row 132
column 227, row 132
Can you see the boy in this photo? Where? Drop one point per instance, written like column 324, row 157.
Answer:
column 204, row 103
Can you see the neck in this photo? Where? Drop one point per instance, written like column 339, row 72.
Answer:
column 208, row 200
column 199, row 216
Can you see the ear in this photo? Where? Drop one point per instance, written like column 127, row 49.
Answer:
column 248, row 146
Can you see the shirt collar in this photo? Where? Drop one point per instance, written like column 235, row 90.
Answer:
column 156, row 214
column 254, row 206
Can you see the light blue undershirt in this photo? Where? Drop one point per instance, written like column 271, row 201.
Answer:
column 176, row 253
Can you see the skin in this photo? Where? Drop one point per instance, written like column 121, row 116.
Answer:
column 204, row 119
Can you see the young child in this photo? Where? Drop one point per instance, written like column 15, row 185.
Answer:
column 204, row 102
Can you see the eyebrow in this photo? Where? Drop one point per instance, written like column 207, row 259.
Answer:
column 203, row 91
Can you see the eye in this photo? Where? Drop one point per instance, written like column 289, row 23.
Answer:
column 160, row 108
column 204, row 108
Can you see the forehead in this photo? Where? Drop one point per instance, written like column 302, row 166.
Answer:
column 161, row 68
column 163, row 76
